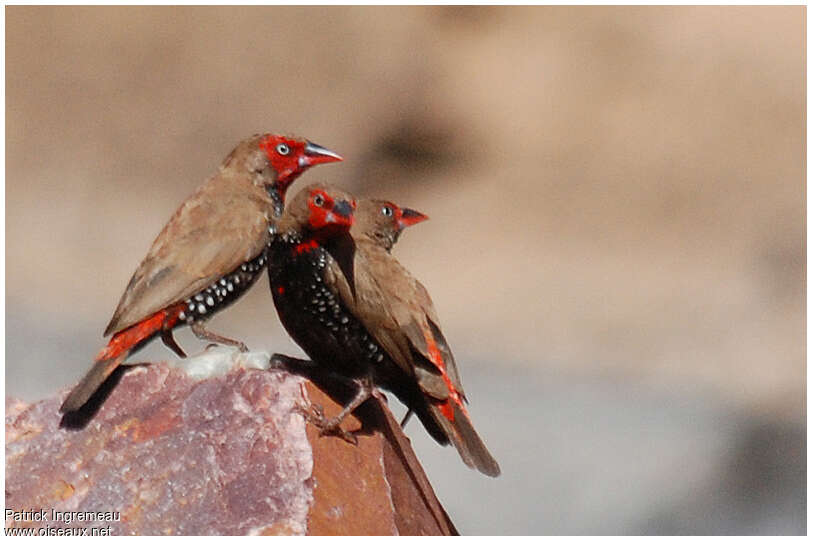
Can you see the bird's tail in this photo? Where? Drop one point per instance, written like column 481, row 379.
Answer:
column 94, row 378
column 447, row 421
column 116, row 351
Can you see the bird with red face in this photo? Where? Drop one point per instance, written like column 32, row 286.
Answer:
column 208, row 254
column 359, row 315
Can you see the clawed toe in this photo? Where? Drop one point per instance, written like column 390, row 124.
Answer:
column 315, row 414
column 341, row 433
column 312, row 413
column 333, row 427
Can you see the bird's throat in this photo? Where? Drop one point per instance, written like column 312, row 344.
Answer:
column 276, row 192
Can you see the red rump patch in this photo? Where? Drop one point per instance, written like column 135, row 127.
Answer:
column 127, row 338
column 437, row 360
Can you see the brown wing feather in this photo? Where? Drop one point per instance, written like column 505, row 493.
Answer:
column 396, row 309
column 419, row 297
column 367, row 302
column 416, row 317
column 221, row 226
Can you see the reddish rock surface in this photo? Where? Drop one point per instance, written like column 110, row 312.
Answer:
column 377, row 487
column 227, row 454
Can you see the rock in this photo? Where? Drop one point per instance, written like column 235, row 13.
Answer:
column 220, row 451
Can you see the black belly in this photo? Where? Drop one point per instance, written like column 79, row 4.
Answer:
column 317, row 320
column 330, row 335
column 223, row 292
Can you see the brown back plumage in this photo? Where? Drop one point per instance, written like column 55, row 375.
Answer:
column 397, row 310
column 222, row 225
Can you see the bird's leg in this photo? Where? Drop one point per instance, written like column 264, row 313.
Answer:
column 205, row 335
column 169, row 340
column 326, row 426
column 407, row 416
column 365, row 390
column 315, row 414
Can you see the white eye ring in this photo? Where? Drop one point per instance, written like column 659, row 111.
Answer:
column 283, row 149
column 386, row 210
column 318, row 200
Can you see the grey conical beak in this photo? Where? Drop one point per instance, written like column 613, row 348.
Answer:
column 317, row 154
column 343, row 208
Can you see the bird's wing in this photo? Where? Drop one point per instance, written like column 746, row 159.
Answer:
column 425, row 302
column 224, row 224
column 363, row 297
column 396, row 309
column 415, row 314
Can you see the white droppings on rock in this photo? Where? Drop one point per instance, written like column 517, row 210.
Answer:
column 219, row 360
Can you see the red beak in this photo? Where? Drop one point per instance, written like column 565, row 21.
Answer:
column 410, row 217
column 317, row 154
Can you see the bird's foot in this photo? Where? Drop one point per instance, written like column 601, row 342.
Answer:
column 205, row 335
column 315, row 414
column 240, row 346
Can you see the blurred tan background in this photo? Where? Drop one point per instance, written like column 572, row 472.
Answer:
column 617, row 243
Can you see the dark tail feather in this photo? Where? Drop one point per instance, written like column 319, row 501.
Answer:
column 120, row 346
column 90, row 383
column 461, row 433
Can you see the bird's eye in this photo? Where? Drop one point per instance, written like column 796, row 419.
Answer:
column 386, row 210
column 283, row 149
column 318, row 200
